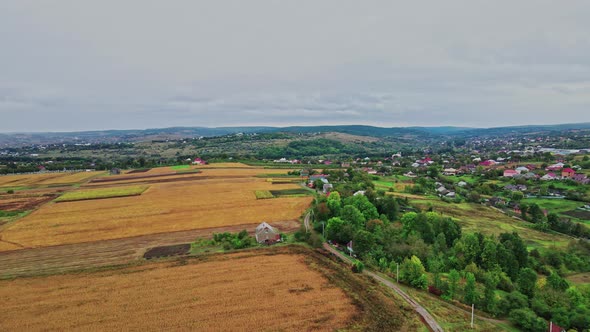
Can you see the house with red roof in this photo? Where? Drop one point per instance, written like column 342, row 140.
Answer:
column 488, row 163
column 510, row 173
column 567, row 173
column 199, row 161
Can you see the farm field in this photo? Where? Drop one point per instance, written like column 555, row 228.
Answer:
column 479, row 218
column 238, row 292
column 79, row 256
column 166, row 207
column 46, row 179
column 79, row 195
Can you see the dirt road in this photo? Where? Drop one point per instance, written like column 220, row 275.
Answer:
column 63, row 258
column 428, row 319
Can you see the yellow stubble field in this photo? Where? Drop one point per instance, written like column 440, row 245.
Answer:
column 46, row 179
column 163, row 207
column 235, row 293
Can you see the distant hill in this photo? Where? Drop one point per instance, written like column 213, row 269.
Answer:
column 134, row 135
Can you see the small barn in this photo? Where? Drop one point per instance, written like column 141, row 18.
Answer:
column 265, row 233
column 115, row 171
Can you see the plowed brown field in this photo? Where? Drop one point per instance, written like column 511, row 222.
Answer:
column 240, row 292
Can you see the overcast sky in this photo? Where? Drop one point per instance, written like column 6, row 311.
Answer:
column 81, row 65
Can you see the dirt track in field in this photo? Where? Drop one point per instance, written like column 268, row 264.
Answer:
column 71, row 257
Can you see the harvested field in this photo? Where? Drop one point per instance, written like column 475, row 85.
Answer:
column 240, row 292
column 119, row 178
column 139, row 171
column 165, row 207
column 579, row 278
column 224, row 165
column 23, row 202
column 46, row 179
column 73, row 257
column 80, row 195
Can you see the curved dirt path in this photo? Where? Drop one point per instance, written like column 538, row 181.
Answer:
column 428, row 319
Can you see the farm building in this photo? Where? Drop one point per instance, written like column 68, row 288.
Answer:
column 115, row 171
column 265, row 233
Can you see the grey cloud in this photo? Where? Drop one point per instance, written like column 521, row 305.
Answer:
column 134, row 64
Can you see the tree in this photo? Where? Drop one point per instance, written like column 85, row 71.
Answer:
column 528, row 320
column 556, row 282
column 514, row 300
column 454, row 278
column 517, row 196
column 470, row 291
column 363, row 242
column 334, row 229
column 412, row 271
column 490, row 303
column 334, row 203
column 362, row 203
column 527, row 278
column 352, row 215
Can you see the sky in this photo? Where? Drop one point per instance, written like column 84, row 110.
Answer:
column 94, row 65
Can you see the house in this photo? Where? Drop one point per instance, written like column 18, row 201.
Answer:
column 318, row 177
column 496, row 201
column 199, row 161
column 462, row 183
column 450, row 194
column 450, row 171
column 470, row 168
column 581, row 178
column 510, row 173
column 522, row 169
column 567, row 173
column 488, row 163
column 549, row 176
column 555, row 167
column 265, row 233
column 345, row 165
column 360, row 192
column 518, row 187
column 115, row 171
column 410, row 174
column 327, row 188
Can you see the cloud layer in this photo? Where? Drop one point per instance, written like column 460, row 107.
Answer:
column 133, row 64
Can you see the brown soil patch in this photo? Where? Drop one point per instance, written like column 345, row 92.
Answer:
column 167, row 251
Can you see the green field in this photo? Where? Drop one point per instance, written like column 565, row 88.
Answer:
column 554, row 205
column 180, row 167
column 101, row 193
column 480, row 218
column 263, row 194
column 291, row 192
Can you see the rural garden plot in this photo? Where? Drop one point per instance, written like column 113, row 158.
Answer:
column 165, row 207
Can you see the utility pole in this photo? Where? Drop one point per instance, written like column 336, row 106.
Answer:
column 472, row 309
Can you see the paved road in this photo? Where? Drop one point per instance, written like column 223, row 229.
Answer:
column 430, row 321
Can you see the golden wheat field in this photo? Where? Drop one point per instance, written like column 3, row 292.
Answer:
column 164, row 207
column 231, row 293
column 46, row 179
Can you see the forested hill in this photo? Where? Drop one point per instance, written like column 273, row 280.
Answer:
column 16, row 139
